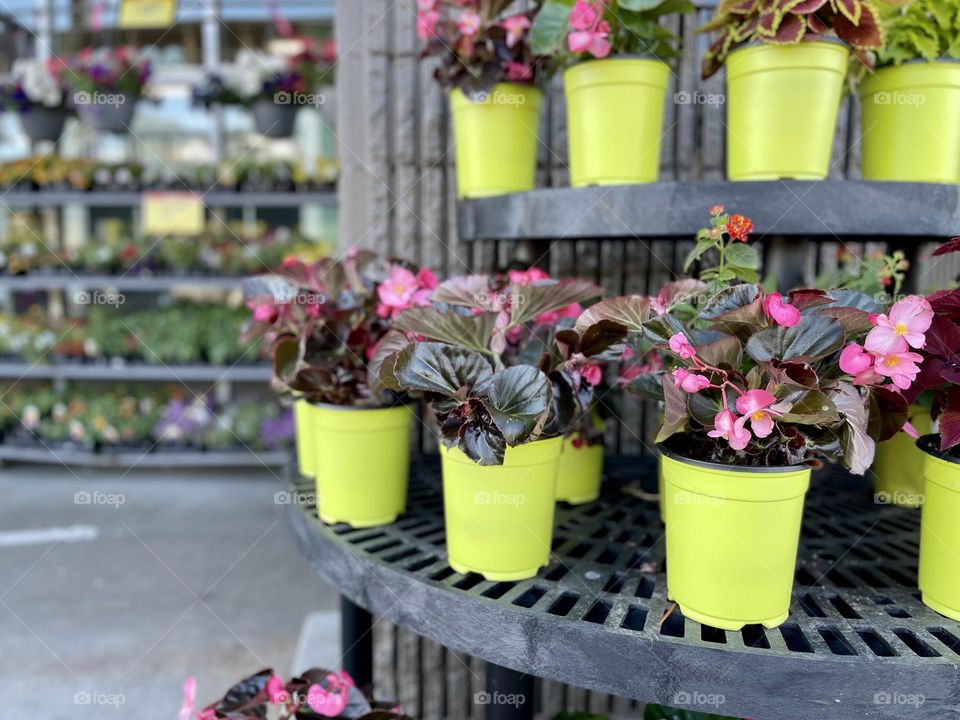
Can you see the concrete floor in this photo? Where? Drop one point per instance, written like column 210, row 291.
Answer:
column 163, row 574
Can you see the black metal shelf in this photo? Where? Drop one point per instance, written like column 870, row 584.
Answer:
column 133, row 198
column 858, row 643
column 826, row 210
column 124, row 372
column 133, row 458
column 32, row 282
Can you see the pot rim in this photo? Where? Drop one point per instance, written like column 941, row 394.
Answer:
column 747, row 469
column 334, row 406
column 829, row 39
column 620, row 56
column 927, row 444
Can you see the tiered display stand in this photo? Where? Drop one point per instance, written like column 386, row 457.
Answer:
column 858, row 643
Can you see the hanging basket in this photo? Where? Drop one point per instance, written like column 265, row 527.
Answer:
column 110, row 112
column 43, row 123
column 273, row 119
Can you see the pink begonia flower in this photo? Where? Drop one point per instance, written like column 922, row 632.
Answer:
column 901, row 367
column 910, row 430
column 264, row 313
column 343, row 674
column 397, row 291
column 276, row 691
column 682, row 347
column 583, row 15
column 905, row 326
column 690, row 382
column 189, row 697
column 658, row 306
column 423, row 5
column 326, row 703
column 518, row 71
column 526, row 277
column 427, row 23
column 426, row 279
column 780, row 311
column 726, row 427
column 552, row 317
column 593, row 374
column 853, row 359
column 754, row 405
column 515, row 25
column 469, row 23
column 594, row 42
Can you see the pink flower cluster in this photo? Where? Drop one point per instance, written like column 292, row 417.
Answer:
column 589, row 31
column 756, row 407
column 886, row 351
column 404, row 290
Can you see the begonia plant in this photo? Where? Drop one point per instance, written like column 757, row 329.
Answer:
column 498, row 360
column 323, row 320
column 759, row 378
column 586, row 29
column 480, row 43
column 789, row 22
column 315, row 693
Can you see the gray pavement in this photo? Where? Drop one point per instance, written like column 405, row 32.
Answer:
column 109, row 599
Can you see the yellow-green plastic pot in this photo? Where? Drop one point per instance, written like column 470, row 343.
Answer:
column 362, row 480
column 302, row 424
column 661, row 493
column 940, row 536
column 898, row 465
column 732, row 535
column 782, row 104
column 615, row 120
column 580, row 473
column 496, row 140
column 499, row 518
column 910, row 123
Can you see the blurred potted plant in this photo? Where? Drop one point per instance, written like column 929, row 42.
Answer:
column 106, row 84
column 758, row 389
column 938, row 379
column 37, row 91
column 786, row 65
column 323, row 320
column 504, row 389
column 489, row 71
column 910, row 106
column 314, row 693
column 615, row 83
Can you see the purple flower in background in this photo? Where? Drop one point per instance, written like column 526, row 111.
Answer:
column 183, row 420
column 277, row 431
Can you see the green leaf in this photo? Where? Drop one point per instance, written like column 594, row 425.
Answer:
column 810, row 407
column 469, row 331
column 631, row 311
column 550, row 27
column 437, row 368
column 728, row 301
column 814, row 337
column 888, row 412
column 858, row 446
column 600, row 336
column 518, row 400
column 546, row 295
column 390, row 344
column 674, row 409
column 639, row 5
column 723, row 352
column 466, row 290
column 743, row 256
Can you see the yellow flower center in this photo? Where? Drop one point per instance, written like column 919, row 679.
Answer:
column 759, row 414
column 900, row 329
column 891, row 361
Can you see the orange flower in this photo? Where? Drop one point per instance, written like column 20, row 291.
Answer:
column 739, row 227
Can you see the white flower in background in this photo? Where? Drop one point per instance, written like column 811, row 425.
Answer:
column 77, row 431
column 110, row 434
column 40, row 87
column 59, row 412
column 31, row 417
column 249, row 71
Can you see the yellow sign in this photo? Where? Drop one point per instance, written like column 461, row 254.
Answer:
column 170, row 213
column 147, row 13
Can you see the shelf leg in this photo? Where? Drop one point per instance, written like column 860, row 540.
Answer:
column 356, row 642
column 508, row 695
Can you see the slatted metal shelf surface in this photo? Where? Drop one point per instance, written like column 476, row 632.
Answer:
column 144, row 459
column 32, row 282
column 827, row 210
column 135, row 371
column 858, row 643
column 133, row 198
